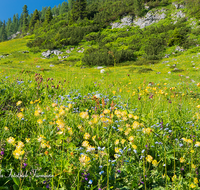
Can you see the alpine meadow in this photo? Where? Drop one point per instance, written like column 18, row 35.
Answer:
column 101, row 95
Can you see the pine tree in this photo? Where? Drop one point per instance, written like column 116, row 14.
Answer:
column 79, row 10
column 48, row 16
column 64, row 8
column 137, row 7
column 15, row 23
column 25, row 18
column 34, row 19
column 3, row 32
column 71, row 3
column 21, row 22
column 9, row 27
column 43, row 13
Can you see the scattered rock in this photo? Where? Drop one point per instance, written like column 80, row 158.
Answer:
column 165, row 62
column 167, row 55
column 99, row 67
column 64, row 57
column 102, row 70
column 56, row 52
column 178, row 48
column 178, row 6
column 80, row 51
column 68, row 51
column 46, row 54
column 25, row 51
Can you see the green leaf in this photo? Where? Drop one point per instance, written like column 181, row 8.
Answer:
column 15, row 187
column 16, row 180
column 2, row 188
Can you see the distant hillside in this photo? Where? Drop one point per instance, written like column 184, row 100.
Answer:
column 116, row 31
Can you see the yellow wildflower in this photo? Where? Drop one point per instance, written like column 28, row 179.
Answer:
column 117, row 142
column 61, row 112
column 198, row 106
column 39, row 121
column 197, row 144
column 123, row 141
column 54, row 105
column 84, row 159
column 192, row 185
column 85, row 143
column 149, row 158
column 84, row 115
column 182, row 160
column 18, row 103
column 155, row 163
column 18, row 153
column 11, row 140
column 134, row 146
column 27, row 140
column 136, row 117
column 116, row 150
column 86, row 136
column 93, row 138
column 174, row 178
column 196, row 180
column 6, row 128
column 131, row 138
column 20, row 115
column 106, row 111
column 135, row 125
column 69, row 106
column 147, row 131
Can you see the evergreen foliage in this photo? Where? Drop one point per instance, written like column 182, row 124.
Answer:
column 25, row 19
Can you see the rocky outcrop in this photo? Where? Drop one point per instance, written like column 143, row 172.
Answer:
column 178, row 6
column 150, row 18
column 125, row 21
column 14, row 35
column 177, row 15
column 48, row 53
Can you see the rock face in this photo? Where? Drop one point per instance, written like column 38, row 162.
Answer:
column 125, row 21
column 178, row 6
column 177, row 15
column 150, row 18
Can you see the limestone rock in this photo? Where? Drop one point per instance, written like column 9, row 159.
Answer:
column 178, row 6
column 68, row 51
column 125, row 21
column 150, row 18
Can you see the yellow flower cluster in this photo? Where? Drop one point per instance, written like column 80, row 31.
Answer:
column 84, row 159
column 18, row 152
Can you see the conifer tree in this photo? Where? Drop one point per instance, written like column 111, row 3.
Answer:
column 64, row 8
column 15, row 23
column 71, row 3
column 3, row 32
column 34, row 19
column 137, row 7
column 25, row 18
column 48, row 15
column 79, row 10
column 9, row 27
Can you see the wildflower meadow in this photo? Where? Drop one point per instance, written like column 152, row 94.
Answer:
column 88, row 130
